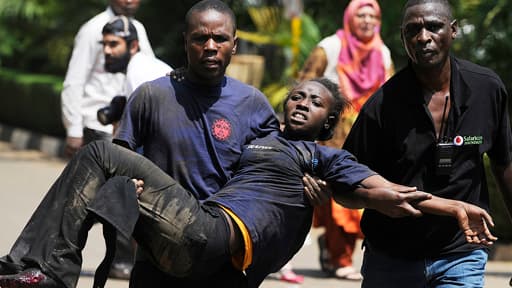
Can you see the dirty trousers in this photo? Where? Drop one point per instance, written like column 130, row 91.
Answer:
column 181, row 236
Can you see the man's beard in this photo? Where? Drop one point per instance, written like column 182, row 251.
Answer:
column 117, row 64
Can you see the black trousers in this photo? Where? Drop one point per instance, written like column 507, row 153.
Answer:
column 178, row 235
column 125, row 250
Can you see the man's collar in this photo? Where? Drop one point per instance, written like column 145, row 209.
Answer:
column 110, row 12
column 459, row 88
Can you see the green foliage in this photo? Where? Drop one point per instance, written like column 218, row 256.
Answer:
column 31, row 101
column 37, row 35
column 309, row 38
column 25, row 79
column 485, row 35
column 276, row 30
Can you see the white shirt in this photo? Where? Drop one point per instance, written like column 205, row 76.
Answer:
column 332, row 48
column 143, row 68
column 87, row 86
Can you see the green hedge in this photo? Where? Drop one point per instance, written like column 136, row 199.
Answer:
column 31, row 101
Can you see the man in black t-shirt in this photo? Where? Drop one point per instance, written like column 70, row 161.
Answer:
column 429, row 126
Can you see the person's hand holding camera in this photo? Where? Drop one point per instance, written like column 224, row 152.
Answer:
column 113, row 112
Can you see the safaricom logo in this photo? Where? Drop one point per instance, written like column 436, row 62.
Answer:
column 468, row 140
column 458, row 140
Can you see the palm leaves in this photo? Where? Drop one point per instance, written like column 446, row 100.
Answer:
column 296, row 36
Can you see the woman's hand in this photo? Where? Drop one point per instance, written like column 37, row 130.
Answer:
column 474, row 222
column 317, row 191
column 139, row 186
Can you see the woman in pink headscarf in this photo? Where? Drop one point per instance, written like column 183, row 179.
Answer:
column 358, row 61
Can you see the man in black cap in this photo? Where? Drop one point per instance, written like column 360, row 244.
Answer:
column 121, row 48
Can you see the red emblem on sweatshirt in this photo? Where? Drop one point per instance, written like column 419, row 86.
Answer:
column 221, row 129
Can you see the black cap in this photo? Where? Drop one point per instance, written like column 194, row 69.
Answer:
column 121, row 26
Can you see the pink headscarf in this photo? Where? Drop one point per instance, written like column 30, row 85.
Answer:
column 360, row 65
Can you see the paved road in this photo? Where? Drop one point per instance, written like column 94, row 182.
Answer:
column 27, row 175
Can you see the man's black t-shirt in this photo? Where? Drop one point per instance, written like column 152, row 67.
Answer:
column 395, row 136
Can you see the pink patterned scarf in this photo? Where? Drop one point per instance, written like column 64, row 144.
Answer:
column 360, row 65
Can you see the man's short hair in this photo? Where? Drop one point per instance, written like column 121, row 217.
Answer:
column 121, row 26
column 205, row 5
column 446, row 5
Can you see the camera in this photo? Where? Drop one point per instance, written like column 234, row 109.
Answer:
column 112, row 113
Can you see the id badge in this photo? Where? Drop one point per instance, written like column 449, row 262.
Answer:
column 444, row 157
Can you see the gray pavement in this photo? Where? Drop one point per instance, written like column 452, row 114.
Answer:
column 27, row 174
